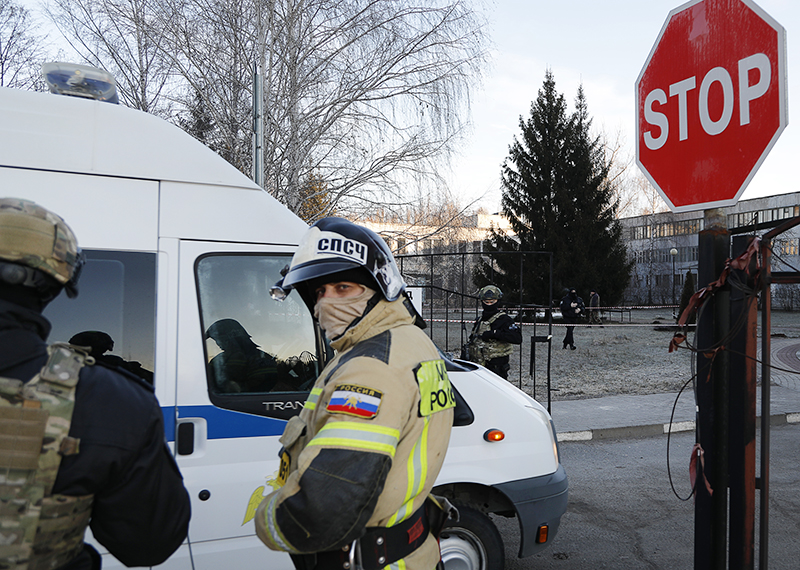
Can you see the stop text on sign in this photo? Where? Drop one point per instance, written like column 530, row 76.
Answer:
column 747, row 92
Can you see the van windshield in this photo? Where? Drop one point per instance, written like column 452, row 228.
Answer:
column 254, row 344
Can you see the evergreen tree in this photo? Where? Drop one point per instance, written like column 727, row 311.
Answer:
column 315, row 199
column 558, row 198
column 197, row 120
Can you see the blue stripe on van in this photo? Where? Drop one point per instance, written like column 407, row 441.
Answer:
column 169, row 422
column 222, row 424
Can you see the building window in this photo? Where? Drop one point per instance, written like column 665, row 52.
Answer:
column 789, row 247
column 640, row 232
column 762, row 216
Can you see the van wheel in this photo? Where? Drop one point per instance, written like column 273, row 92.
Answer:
column 472, row 543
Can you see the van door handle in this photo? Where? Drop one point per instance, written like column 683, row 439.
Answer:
column 185, row 438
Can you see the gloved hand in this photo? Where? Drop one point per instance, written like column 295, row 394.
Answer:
column 487, row 335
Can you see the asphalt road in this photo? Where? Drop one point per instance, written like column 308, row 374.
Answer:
column 623, row 514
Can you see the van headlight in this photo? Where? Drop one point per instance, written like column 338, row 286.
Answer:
column 548, row 421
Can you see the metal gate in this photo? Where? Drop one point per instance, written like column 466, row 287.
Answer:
column 450, row 305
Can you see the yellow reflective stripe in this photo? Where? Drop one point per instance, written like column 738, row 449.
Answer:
column 272, row 526
column 399, row 565
column 416, row 473
column 356, row 435
column 423, row 458
column 313, row 398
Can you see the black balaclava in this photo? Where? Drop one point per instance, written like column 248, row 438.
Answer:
column 489, row 310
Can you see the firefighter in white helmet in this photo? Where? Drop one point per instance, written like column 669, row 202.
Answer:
column 358, row 463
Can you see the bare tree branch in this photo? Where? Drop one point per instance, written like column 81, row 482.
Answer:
column 116, row 36
column 21, row 51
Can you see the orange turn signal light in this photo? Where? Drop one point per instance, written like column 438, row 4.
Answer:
column 494, row 435
column 541, row 534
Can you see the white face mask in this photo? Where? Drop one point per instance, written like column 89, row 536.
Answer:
column 336, row 314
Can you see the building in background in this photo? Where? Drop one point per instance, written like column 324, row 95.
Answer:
column 664, row 248
column 438, row 250
column 438, row 233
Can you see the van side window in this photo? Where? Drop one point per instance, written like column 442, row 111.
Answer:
column 260, row 353
column 114, row 314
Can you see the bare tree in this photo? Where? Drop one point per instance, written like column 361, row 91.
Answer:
column 118, row 36
column 618, row 173
column 21, row 51
column 650, row 200
column 369, row 95
column 213, row 46
column 637, row 196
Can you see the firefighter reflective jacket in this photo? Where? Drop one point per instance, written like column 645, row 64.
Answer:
column 368, row 445
column 40, row 530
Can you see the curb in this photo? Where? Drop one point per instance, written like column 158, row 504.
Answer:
column 657, row 429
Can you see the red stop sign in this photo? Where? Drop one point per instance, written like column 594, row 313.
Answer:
column 711, row 102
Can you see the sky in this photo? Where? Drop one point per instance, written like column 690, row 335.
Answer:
column 602, row 44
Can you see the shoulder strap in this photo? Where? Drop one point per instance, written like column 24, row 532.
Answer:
column 495, row 317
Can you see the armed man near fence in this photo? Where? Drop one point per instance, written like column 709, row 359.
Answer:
column 81, row 443
column 494, row 334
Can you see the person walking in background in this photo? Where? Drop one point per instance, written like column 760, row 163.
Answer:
column 572, row 308
column 594, row 308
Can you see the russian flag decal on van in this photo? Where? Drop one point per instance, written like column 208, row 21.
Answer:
column 355, row 400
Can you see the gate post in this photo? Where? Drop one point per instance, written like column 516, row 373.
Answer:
column 713, row 325
column 742, row 439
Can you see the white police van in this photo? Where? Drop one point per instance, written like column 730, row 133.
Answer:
column 177, row 240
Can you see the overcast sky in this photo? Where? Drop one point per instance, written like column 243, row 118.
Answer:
column 602, row 44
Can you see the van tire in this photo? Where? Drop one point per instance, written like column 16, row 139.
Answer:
column 472, row 543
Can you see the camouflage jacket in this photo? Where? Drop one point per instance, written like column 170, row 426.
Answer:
column 123, row 455
column 39, row 529
column 493, row 336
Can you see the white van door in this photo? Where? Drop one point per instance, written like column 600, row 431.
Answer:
column 244, row 365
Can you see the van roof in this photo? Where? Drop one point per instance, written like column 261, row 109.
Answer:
column 60, row 151
column 69, row 134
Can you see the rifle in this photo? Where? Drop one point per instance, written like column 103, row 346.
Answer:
column 465, row 347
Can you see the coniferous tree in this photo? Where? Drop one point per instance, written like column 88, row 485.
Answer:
column 197, row 121
column 315, row 199
column 558, row 198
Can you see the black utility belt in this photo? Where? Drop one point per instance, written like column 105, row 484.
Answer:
column 379, row 547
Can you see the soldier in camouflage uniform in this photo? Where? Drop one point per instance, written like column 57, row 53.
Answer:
column 493, row 334
column 80, row 444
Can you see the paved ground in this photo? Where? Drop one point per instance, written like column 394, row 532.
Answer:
column 645, row 415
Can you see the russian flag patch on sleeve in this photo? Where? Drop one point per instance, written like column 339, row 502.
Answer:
column 355, row 400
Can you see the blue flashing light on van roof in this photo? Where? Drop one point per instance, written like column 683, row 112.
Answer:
column 80, row 81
